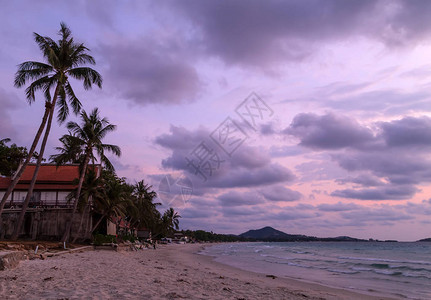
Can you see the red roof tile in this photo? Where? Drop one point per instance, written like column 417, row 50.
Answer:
column 50, row 177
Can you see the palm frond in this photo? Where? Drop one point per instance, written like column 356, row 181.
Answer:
column 74, row 101
column 30, row 70
column 40, row 84
column 112, row 148
column 88, row 75
column 63, row 111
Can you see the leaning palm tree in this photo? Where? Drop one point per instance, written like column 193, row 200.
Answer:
column 89, row 137
column 63, row 59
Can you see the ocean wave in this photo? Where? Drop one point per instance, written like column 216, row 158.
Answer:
column 416, row 262
column 343, row 271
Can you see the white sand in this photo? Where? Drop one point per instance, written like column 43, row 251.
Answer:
column 170, row 272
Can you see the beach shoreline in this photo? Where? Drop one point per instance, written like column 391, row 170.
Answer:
column 169, row 272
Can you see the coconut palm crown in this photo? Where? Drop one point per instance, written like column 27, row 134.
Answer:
column 63, row 60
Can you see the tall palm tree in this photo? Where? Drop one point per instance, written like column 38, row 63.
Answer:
column 89, row 137
column 63, row 59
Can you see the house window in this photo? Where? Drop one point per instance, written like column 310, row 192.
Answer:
column 48, row 198
column 19, row 196
column 62, row 198
column 2, row 195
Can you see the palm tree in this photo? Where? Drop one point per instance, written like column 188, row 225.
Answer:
column 170, row 221
column 63, row 59
column 144, row 209
column 70, row 152
column 92, row 188
column 89, row 137
column 115, row 201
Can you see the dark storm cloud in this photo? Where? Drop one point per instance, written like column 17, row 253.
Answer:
column 257, row 33
column 146, row 72
column 329, row 131
column 390, row 192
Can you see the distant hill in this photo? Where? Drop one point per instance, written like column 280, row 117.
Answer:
column 270, row 234
column 265, row 233
column 425, row 240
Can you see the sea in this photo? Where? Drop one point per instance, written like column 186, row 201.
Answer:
column 394, row 269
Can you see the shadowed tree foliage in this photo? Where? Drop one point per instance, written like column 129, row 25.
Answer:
column 63, row 59
column 115, row 199
column 146, row 213
column 11, row 157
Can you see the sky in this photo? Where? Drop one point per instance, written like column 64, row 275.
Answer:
column 313, row 117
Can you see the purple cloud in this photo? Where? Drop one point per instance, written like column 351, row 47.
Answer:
column 146, row 72
column 280, row 193
column 329, row 131
column 390, row 192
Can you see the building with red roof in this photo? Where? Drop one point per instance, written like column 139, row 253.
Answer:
column 49, row 209
column 53, row 185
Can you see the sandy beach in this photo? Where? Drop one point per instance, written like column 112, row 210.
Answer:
column 170, row 272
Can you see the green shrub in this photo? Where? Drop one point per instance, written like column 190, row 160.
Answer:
column 99, row 239
column 128, row 237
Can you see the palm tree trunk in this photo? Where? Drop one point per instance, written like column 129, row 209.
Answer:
column 33, row 180
column 98, row 222
column 66, row 235
column 21, row 169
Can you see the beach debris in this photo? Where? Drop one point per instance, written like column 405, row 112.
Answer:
column 182, row 280
column 221, row 277
column 173, row 295
column 11, row 278
column 227, row 289
column 161, row 268
column 48, row 278
column 54, row 268
column 271, row 276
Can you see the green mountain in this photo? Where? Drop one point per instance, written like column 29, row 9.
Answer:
column 270, row 234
